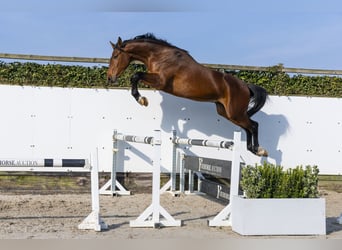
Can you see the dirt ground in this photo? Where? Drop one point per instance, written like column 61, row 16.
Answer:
column 57, row 217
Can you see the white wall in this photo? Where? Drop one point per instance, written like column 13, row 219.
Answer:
column 40, row 122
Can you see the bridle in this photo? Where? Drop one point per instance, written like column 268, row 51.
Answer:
column 120, row 49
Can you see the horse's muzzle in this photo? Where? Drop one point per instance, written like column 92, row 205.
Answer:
column 113, row 80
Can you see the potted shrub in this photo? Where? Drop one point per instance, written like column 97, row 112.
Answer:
column 279, row 202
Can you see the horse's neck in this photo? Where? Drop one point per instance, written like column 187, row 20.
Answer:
column 140, row 52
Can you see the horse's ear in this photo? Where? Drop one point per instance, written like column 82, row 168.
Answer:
column 113, row 45
column 119, row 42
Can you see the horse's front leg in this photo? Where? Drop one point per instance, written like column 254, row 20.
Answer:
column 134, row 90
column 152, row 80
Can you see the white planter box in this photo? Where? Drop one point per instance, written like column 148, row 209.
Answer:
column 278, row 216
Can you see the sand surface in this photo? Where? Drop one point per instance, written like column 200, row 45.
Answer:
column 58, row 216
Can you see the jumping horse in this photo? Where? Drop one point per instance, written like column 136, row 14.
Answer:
column 174, row 71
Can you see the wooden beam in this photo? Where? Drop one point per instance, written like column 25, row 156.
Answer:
column 214, row 66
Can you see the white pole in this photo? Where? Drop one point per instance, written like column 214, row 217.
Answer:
column 94, row 221
column 235, row 174
column 95, row 183
column 156, row 176
column 114, row 166
column 155, row 215
column 182, row 173
column 174, row 163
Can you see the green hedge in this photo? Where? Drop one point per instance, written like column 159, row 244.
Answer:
column 274, row 80
column 270, row 181
column 279, row 83
column 51, row 75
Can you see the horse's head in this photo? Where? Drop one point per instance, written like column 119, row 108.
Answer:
column 118, row 62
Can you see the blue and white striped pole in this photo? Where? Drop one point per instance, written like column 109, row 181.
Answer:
column 49, row 162
column 44, row 165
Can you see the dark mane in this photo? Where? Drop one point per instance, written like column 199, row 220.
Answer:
column 149, row 37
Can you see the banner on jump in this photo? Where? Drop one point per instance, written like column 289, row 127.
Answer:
column 43, row 163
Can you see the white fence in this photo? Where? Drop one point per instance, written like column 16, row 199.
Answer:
column 43, row 122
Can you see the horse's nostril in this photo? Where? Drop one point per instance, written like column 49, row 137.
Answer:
column 112, row 79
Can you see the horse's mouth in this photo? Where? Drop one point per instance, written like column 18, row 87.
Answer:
column 113, row 80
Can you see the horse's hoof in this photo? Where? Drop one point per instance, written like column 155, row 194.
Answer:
column 143, row 101
column 261, row 152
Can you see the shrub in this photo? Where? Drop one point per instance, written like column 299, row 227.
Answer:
column 274, row 80
column 270, row 181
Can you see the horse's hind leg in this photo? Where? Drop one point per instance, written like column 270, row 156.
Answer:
column 221, row 110
column 255, row 137
column 250, row 127
column 249, row 141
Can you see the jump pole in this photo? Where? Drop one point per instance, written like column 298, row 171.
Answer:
column 151, row 216
column 44, row 165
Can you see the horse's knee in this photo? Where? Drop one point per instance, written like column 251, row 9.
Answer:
column 135, row 93
column 135, row 78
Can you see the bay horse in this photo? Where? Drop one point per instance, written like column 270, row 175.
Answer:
column 174, row 71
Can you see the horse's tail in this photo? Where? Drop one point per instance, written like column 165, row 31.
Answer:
column 258, row 98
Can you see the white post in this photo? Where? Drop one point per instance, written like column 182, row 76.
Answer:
column 114, row 164
column 151, row 216
column 191, row 181
column 93, row 221
column 156, row 175
column 171, row 184
column 174, row 163
column 235, row 174
column 182, row 174
column 224, row 217
column 113, row 184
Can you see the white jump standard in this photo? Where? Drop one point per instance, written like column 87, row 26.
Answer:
column 93, row 220
column 113, row 186
column 152, row 216
column 224, row 217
